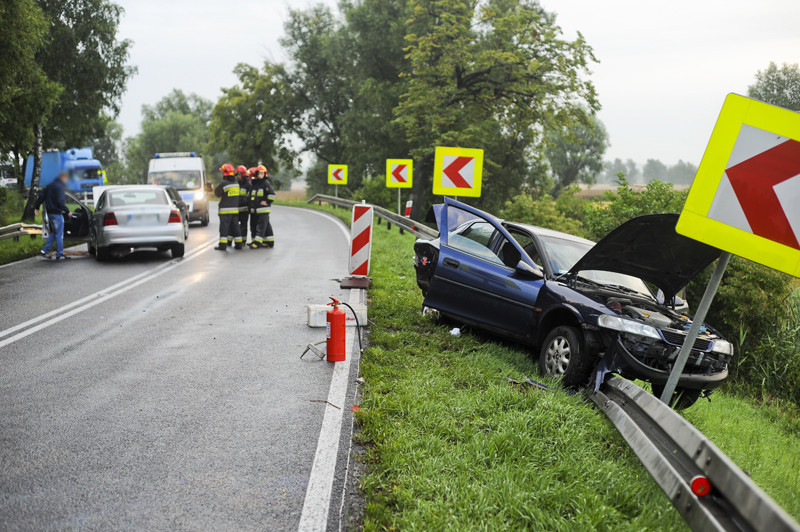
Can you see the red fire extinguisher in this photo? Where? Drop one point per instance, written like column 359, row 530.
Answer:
column 337, row 331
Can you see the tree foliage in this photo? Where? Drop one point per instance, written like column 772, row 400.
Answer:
column 495, row 75
column 576, row 153
column 27, row 96
column 85, row 58
column 778, row 86
column 178, row 122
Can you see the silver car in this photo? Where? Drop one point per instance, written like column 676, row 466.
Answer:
column 137, row 216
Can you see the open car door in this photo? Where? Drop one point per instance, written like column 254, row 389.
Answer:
column 77, row 227
column 482, row 275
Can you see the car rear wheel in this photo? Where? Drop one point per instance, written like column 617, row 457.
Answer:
column 102, row 254
column 681, row 398
column 92, row 249
column 563, row 355
column 178, row 251
column 204, row 220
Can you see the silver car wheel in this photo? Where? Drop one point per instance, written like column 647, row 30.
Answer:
column 557, row 356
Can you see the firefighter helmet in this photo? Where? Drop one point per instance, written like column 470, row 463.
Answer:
column 262, row 168
column 241, row 170
column 227, row 170
column 253, row 171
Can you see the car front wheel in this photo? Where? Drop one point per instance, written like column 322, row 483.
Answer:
column 563, row 355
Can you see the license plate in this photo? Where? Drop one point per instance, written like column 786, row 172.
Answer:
column 142, row 219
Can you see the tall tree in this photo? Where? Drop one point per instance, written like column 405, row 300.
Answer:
column 177, row 122
column 576, row 153
column 681, row 173
column 495, row 75
column 26, row 95
column 253, row 120
column 85, row 58
column 778, row 86
column 654, row 169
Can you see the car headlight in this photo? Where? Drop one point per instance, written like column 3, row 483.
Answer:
column 199, row 194
column 627, row 326
column 722, row 346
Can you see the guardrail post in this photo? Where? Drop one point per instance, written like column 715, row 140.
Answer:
column 379, row 220
column 388, row 225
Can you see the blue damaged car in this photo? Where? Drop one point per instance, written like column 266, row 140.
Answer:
column 575, row 302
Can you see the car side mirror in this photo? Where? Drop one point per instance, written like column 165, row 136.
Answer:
column 208, row 187
column 523, row 269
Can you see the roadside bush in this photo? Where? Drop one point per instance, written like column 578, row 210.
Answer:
column 374, row 191
column 541, row 211
column 626, row 203
column 11, row 205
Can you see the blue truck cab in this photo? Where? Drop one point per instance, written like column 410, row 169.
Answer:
column 85, row 172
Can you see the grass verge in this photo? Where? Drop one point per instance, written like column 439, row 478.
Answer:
column 452, row 445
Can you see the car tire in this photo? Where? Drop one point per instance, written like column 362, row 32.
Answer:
column 178, row 250
column 92, row 249
column 563, row 354
column 102, row 254
column 204, row 220
column 681, row 398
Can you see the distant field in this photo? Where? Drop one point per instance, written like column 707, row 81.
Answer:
column 293, row 195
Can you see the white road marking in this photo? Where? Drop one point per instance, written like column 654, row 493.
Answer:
column 62, row 313
column 316, row 506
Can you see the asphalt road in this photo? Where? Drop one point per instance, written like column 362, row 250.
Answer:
column 178, row 403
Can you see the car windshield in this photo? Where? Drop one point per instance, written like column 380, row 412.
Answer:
column 179, row 179
column 87, row 173
column 565, row 253
column 120, row 198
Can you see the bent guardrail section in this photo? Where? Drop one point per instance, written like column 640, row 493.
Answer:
column 674, row 452
column 15, row 231
column 412, row 226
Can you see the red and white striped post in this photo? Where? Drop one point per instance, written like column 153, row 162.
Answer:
column 409, row 204
column 361, row 240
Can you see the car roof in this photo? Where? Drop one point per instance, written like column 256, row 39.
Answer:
column 542, row 231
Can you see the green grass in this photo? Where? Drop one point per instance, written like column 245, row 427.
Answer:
column 453, row 446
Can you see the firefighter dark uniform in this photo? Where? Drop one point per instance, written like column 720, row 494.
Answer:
column 228, row 192
column 244, row 200
column 261, row 197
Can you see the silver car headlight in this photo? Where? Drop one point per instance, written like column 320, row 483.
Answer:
column 627, row 326
column 722, row 346
column 199, row 194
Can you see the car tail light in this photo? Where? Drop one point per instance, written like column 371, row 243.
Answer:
column 174, row 217
column 109, row 219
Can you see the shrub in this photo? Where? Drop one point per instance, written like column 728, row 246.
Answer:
column 626, row 203
column 542, row 211
column 374, row 191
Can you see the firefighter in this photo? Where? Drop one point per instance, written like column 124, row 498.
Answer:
column 228, row 192
column 261, row 197
column 242, row 176
column 252, row 172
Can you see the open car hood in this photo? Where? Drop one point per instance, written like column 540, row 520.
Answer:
column 649, row 248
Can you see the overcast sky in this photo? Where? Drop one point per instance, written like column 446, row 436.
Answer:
column 664, row 70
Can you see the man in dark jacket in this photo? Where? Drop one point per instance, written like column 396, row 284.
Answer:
column 55, row 204
column 228, row 193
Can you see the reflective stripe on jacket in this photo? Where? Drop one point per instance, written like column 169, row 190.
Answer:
column 228, row 192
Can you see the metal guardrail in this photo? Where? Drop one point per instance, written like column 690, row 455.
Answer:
column 674, row 452
column 412, row 226
column 15, row 231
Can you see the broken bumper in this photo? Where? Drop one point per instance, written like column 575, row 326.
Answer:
column 636, row 368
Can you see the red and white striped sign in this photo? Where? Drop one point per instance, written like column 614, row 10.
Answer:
column 409, row 204
column 360, row 239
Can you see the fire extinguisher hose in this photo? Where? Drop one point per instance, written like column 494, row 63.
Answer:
column 358, row 327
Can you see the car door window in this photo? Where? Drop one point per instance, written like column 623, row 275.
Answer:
column 527, row 243
column 474, row 238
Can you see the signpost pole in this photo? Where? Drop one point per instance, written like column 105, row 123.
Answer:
column 336, row 192
column 694, row 331
column 398, row 203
